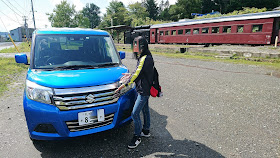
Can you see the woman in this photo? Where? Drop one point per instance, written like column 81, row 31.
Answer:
column 143, row 77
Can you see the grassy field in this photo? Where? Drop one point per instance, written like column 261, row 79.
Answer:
column 23, row 47
column 9, row 70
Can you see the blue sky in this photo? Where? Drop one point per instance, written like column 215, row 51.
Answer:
column 13, row 19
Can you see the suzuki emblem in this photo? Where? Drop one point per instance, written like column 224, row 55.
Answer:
column 90, row 98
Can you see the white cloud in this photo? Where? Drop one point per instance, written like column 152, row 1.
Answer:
column 43, row 7
column 10, row 21
column 102, row 11
column 41, row 20
column 54, row 2
column 171, row 2
column 79, row 5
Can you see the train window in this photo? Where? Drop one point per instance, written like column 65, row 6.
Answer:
column 173, row 32
column 227, row 29
column 188, row 31
column 215, row 29
column 240, row 28
column 205, row 30
column 153, row 33
column 195, row 31
column 257, row 28
column 180, row 32
column 166, row 33
column 161, row 33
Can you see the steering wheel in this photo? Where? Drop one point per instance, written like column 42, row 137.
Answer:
column 55, row 60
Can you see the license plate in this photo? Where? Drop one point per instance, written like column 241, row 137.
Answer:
column 90, row 117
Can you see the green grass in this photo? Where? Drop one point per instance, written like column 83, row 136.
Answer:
column 23, row 47
column 9, row 70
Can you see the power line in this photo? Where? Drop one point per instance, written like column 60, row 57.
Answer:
column 19, row 5
column 15, row 7
column 4, row 25
column 16, row 17
column 10, row 8
column 10, row 18
column 28, row 7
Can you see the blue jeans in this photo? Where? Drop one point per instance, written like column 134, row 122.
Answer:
column 141, row 103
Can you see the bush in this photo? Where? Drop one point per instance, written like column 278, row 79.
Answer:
column 246, row 10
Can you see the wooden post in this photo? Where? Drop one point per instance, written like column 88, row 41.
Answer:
column 13, row 43
column 276, row 41
column 118, row 36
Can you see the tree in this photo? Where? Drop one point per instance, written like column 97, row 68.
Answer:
column 209, row 5
column 91, row 11
column 164, row 10
column 81, row 21
column 183, row 9
column 116, row 14
column 164, row 15
column 231, row 5
column 137, row 11
column 138, row 14
column 63, row 15
column 152, row 8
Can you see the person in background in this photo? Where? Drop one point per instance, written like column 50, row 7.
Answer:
column 143, row 77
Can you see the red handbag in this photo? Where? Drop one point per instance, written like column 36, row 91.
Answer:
column 154, row 92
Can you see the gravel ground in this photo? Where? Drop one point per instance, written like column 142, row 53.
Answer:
column 209, row 109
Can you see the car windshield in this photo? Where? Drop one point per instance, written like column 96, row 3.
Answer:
column 74, row 51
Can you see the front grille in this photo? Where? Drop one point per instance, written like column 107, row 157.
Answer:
column 78, row 98
column 74, row 126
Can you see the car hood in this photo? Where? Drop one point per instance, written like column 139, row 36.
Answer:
column 76, row 78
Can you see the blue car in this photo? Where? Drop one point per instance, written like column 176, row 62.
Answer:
column 70, row 84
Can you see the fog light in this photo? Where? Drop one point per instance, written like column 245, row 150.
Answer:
column 45, row 128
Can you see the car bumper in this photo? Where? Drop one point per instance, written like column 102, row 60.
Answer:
column 40, row 114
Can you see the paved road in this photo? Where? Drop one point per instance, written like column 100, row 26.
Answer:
column 4, row 45
column 209, row 109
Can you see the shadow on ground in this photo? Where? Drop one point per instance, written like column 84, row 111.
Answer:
column 113, row 143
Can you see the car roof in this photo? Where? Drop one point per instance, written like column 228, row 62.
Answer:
column 261, row 15
column 71, row 31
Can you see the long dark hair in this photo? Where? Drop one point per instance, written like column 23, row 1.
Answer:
column 144, row 45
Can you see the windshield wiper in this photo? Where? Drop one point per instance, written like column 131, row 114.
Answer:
column 74, row 67
column 106, row 64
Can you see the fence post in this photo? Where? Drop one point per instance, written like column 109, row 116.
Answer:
column 276, row 41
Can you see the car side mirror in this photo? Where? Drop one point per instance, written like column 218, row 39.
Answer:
column 21, row 58
column 122, row 54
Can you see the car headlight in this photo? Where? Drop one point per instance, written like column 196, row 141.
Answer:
column 38, row 93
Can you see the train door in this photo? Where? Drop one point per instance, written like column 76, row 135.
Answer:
column 276, row 30
column 160, row 36
column 156, row 35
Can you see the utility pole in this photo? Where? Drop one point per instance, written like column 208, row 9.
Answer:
column 33, row 14
column 26, row 28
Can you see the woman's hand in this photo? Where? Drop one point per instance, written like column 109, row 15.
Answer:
column 121, row 87
column 125, row 77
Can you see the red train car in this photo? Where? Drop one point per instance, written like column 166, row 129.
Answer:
column 257, row 28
